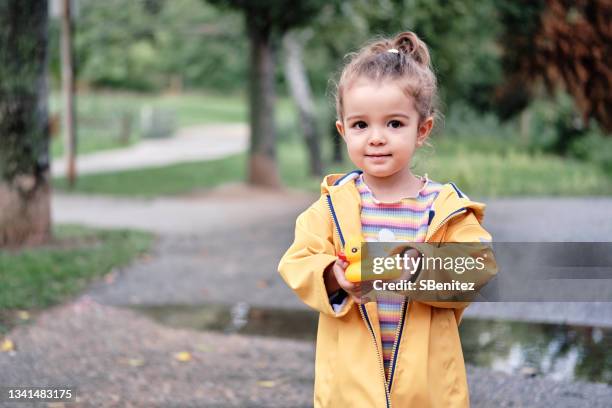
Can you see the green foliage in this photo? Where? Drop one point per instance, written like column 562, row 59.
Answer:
column 461, row 36
column 133, row 45
column 554, row 124
column 594, row 147
column 274, row 15
column 43, row 276
column 200, row 45
column 555, row 127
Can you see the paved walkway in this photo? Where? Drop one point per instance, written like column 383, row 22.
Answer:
column 228, row 207
column 207, row 240
column 201, row 142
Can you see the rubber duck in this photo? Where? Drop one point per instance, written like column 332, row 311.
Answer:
column 352, row 255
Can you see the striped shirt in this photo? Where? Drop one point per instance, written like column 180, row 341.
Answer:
column 405, row 220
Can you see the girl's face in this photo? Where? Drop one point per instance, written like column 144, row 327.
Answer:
column 381, row 127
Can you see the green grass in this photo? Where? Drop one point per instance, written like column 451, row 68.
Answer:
column 517, row 174
column 168, row 180
column 36, row 278
column 99, row 115
column 489, row 173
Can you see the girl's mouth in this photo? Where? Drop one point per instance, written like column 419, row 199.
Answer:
column 378, row 155
column 377, row 158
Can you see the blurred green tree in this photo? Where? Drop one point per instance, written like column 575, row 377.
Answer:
column 266, row 21
column 156, row 44
column 24, row 131
column 461, row 35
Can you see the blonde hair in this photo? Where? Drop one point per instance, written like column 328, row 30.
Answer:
column 404, row 58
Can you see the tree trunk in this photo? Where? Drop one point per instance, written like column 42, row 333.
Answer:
column 24, row 133
column 68, row 92
column 263, row 169
column 300, row 90
column 336, row 139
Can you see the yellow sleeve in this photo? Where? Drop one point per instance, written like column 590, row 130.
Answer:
column 312, row 250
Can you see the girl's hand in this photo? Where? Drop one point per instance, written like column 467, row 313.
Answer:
column 409, row 273
column 335, row 279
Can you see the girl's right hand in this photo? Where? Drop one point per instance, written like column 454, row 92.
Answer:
column 337, row 278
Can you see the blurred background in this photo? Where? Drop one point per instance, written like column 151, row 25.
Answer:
column 154, row 155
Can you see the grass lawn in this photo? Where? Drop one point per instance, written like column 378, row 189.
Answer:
column 36, row 278
column 100, row 115
column 481, row 173
column 167, row 180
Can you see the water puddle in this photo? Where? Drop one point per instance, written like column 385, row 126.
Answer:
column 560, row 352
column 239, row 318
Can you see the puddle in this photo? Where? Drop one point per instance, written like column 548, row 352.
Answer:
column 240, row 318
column 559, row 352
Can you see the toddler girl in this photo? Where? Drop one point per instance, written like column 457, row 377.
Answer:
column 392, row 350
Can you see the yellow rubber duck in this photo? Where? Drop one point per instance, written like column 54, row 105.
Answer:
column 354, row 273
column 352, row 254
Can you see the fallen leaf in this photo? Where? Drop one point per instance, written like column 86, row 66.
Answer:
column 203, row 347
column 135, row 362
column 266, row 383
column 132, row 362
column 7, row 345
column 183, row 356
column 23, row 315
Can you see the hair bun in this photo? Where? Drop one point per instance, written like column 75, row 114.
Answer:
column 411, row 45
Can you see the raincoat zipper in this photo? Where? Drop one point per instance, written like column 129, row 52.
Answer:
column 380, row 360
column 336, row 224
column 395, row 349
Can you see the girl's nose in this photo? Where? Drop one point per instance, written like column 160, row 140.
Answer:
column 377, row 138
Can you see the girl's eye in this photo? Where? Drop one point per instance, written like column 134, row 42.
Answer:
column 360, row 124
column 395, row 124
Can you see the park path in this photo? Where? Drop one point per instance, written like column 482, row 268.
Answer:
column 218, row 231
column 193, row 143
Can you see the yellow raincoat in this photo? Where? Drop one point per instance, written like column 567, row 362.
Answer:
column 427, row 367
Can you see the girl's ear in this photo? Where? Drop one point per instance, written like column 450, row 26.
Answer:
column 340, row 128
column 424, row 131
